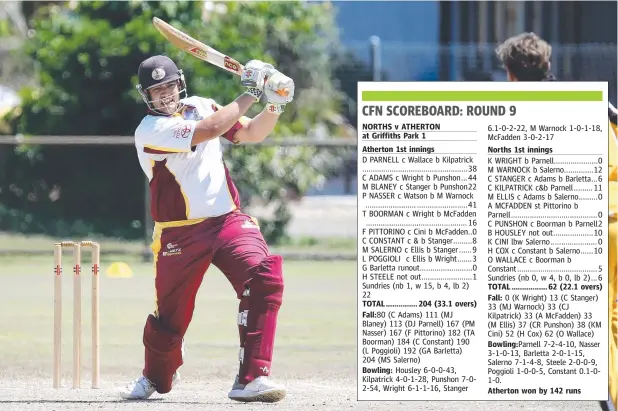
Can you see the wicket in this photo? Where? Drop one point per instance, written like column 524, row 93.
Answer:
column 77, row 311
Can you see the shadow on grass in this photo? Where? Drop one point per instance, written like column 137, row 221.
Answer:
column 110, row 401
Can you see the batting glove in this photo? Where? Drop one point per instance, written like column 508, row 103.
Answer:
column 253, row 77
column 279, row 90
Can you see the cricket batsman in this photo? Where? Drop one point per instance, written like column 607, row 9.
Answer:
column 526, row 57
column 199, row 223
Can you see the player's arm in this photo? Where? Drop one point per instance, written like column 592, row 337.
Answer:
column 228, row 119
column 222, row 120
column 174, row 134
column 257, row 129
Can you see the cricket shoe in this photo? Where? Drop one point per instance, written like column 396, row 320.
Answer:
column 261, row 389
column 142, row 388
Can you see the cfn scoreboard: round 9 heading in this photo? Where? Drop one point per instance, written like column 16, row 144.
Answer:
column 482, row 241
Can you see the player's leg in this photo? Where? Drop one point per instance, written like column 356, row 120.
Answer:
column 242, row 255
column 181, row 259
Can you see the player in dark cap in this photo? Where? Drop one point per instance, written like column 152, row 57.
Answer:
column 199, row 222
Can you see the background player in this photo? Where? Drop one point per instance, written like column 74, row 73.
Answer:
column 613, row 253
column 198, row 222
column 526, row 57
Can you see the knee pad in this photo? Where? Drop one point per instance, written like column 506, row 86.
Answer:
column 164, row 354
column 265, row 282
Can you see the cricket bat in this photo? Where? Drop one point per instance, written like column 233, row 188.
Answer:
column 200, row 50
column 196, row 48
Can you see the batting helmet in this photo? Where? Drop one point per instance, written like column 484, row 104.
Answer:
column 157, row 70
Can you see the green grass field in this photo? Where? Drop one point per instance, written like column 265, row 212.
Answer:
column 316, row 332
column 16, row 243
column 315, row 353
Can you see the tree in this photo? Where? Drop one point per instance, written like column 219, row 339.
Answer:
column 87, row 62
column 349, row 70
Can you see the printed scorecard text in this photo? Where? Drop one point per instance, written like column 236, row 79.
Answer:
column 482, row 241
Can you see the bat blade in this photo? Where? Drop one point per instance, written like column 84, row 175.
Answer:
column 196, row 48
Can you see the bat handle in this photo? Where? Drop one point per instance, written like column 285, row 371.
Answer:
column 249, row 83
column 252, row 82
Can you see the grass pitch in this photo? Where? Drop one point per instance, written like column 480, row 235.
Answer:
column 316, row 329
column 315, row 352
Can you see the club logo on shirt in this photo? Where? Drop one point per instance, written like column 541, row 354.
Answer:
column 191, row 113
column 182, row 131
